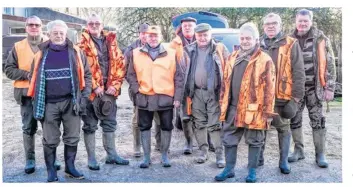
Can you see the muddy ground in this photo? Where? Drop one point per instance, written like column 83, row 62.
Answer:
column 183, row 167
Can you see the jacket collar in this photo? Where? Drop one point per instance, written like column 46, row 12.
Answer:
column 161, row 49
column 45, row 45
column 193, row 46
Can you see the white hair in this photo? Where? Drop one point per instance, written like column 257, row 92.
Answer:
column 270, row 15
column 51, row 25
column 250, row 27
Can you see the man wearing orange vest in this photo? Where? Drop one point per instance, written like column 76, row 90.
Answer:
column 203, row 78
column 320, row 72
column 60, row 87
column 248, row 98
column 290, row 78
column 18, row 68
column 108, row 72
column 156, row 82
column 142, row 28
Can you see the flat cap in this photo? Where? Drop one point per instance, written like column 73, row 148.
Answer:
column 143, row 27
column 154, row 29
column 188, row 19
column 202, row 27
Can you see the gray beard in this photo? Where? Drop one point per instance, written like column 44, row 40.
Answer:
column 34, row 40
column 302, row 33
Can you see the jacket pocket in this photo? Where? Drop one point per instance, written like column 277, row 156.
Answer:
column 286, row 86
column 165, row 100
column 250, row 113
column 141, row 100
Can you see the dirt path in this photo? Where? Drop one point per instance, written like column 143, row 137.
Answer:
column 183, row 168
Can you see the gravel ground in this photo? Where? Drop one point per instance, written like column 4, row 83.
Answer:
column 183, row 169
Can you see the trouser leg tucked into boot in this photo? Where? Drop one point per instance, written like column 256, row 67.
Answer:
column 319, row 136
column 298, row 153
column 253, row 156
column 201, row 138
column 231, row 158
column 284, row 145
column 90, row 143
column 49, row 157
column 166, row 137
column 28, row 142
column 188, row 132
column 109, row 146
column 146, row 145
column 216, row 137
column 70, row 156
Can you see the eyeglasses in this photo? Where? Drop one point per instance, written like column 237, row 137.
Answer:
column 33, row 24
column 91, row 24
column 271, row 24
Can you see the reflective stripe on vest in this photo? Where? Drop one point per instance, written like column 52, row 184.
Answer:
column 155, row 76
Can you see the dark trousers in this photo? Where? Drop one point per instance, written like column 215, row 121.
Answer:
column 55, row 114
column 29, row 124
column 231, row 135
column 145, row 119
column 90, row 121
column 314, row 106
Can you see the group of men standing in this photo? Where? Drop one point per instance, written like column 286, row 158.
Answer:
column 221, row 96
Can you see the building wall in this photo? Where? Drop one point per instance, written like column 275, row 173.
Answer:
column 46, row 13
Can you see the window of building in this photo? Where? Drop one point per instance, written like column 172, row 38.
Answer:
column 17, row 30
column 9, row 10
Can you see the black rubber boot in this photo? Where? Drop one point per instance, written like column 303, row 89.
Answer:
column 188, row 133
column 70, row 156
column 28, row 143
column 231, row 158
column 109, row 146
column 49, row 157
column 284, row 145
column 146, row 145
column 90, row 143
column 211, row 147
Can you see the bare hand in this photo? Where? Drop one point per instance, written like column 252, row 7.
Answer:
column 329, row 95
column 176, row 104
column 296, row 100
column 269, row 120
column 99, row 92
column 111, row 90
